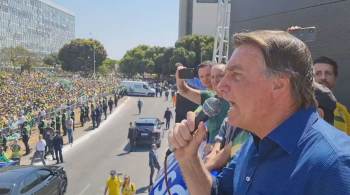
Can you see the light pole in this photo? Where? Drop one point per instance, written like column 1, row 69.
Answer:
column 94, row 53
column 93, row 49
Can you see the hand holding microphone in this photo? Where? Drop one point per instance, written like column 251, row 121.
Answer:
column 188, row 134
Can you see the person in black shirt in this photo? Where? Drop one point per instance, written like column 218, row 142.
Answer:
column 110, row 105
column 104, row 107
column 168, row 115
column 116, row 99
column 58, row 122
column 82, row 116
column 57, row 146
column 63, row 121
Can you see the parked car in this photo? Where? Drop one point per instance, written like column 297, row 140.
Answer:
column 38, row 180
column 146, row 131
column 138, row 88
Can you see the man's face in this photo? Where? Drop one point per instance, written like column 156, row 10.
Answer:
column 324, row 74
column 216, row 75
column 247, row 87
column 204, row 76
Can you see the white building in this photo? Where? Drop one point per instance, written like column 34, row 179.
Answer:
column 40, row 26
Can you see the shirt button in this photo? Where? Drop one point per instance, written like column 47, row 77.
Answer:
column 247, row 179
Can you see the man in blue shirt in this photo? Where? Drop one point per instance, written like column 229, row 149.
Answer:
column 291, row 150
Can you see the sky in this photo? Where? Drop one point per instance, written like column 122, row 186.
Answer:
column 124, row 24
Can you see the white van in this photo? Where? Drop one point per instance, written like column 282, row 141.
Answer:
column 139, row 88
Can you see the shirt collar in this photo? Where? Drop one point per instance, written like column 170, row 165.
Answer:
column 287, row 134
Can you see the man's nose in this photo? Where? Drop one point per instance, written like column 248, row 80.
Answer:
column 323, row 76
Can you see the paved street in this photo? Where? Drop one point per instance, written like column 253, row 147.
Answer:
column 93, row 155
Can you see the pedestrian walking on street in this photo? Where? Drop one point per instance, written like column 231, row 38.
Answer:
column 139, row 105
column 69, row 126
column 99, row 112
column 93, row 116
column 42, row 126
column 82, row 116
column 63, row 120
column 105, row 107
column 72, row 116
column 57, row 146
column 168, row 115
column 153, row 163
column 86, row 112
column 110, row 105
column 128, row 187
column 25, row 136
column 166, row 93
column 40, row 150
column 58, row 122
column 49, row 133
column 116, row 99
column 113, row 184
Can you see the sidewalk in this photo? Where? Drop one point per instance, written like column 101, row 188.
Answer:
column 78, row 132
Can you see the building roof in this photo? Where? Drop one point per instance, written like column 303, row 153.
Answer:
column 55, row 5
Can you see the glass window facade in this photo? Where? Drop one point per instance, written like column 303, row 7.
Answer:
column 37, row 25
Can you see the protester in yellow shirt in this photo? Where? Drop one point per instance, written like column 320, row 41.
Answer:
column 326, row 73
column 113, row 184
column 128, row 188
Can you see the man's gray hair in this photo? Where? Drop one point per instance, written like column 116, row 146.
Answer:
column 284, row 54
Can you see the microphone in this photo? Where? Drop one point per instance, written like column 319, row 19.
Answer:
column 211, row 108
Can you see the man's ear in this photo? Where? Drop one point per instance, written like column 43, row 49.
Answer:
column 280, row 82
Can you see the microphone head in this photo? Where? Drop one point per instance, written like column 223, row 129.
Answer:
column 212, row 107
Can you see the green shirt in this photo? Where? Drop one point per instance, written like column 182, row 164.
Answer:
column 3, row 157
column 16, row 149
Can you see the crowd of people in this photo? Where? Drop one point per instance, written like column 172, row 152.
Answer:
column 50, row 103
column 26, row 95
column 280, row 129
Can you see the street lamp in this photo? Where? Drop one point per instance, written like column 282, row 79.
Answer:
column 93, row 49
column 94, row 53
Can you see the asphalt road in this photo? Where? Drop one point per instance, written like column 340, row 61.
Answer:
column 92, row 156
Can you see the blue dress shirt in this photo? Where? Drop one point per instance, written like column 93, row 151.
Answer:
column 302, row 156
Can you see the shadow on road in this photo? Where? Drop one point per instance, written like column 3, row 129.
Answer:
column 126, row 150
column 142, row 190
column 89, row 129
column 139, row 148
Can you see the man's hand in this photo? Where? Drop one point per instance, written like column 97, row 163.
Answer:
column 183, row 141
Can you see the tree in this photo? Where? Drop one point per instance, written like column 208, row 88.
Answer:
column 190, row 50
column 135, row 61
column 51, row 59
column 19, row 56
column 78, row 55
column 201, row 45
column 183, row 56
column 108, row 66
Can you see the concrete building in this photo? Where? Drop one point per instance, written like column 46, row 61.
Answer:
column 331, row 17
column 40, row 26
column 197, row 17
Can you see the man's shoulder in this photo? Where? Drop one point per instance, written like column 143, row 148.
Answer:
column 326, row 142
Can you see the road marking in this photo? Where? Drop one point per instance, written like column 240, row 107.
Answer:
column 84, row 190
column 85, row 137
